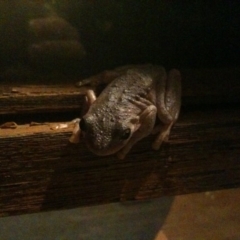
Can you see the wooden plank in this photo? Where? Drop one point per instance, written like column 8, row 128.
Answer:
column 40, row 170
column 210, row 86
column 39, row 98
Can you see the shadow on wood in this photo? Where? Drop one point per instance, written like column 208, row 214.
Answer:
column 41, row 170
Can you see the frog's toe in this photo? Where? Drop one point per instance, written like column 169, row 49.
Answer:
column 121, row 155
column 75, row 138
column 158, row 142
column 162, row 137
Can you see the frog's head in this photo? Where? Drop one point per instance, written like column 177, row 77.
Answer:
column 106, row 135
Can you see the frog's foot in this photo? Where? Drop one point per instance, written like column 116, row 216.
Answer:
column 76, row 131
column 121, row 155
column 147, row 120
column 157, row 129
column 163, row 136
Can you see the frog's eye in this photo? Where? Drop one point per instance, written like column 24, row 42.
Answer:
column 82, row 125
column 126, row 134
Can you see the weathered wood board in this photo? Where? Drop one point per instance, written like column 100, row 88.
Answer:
column 199, row 86
column 40, row 170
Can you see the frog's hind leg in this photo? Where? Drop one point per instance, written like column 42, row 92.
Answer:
column 168, row 105
column 147, row 121
column 105, row 77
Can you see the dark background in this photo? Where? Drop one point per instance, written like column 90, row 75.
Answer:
column 182, row 34
column 179, row 33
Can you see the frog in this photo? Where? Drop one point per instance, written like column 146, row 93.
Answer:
column 138, row 100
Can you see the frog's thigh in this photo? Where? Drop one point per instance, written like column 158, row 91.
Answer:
column 146, row 121
column 168, row 104
column 169, row 97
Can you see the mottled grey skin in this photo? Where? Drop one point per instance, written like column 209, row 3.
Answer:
column 126, row 110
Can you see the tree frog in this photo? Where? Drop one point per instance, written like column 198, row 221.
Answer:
column 127, row 109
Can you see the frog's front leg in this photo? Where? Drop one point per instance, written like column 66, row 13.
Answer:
column 145, row 125
column 168, row 104
column 90, row 98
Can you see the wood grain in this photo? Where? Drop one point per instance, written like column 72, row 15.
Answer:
column 15, row 99
column 40, row 170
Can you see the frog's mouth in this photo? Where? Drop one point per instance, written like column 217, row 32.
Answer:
column 103, row 149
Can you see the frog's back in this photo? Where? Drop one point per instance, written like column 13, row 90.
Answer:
column 122, row 95
column 132, row 84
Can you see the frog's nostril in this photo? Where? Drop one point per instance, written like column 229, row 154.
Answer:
column 83, row 125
